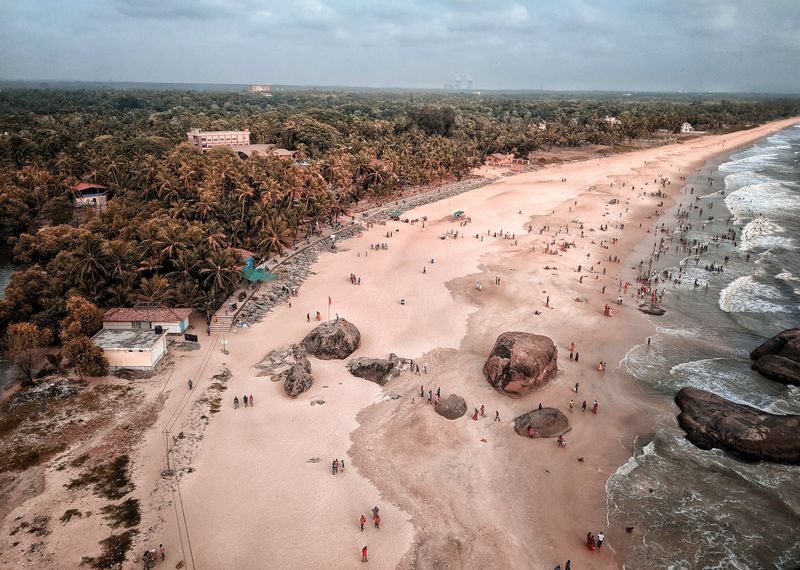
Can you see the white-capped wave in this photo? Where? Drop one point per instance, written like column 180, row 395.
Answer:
column 747, row 295
column 764, row 234
column 762, row 198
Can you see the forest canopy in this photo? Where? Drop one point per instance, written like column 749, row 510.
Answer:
column 177, row 218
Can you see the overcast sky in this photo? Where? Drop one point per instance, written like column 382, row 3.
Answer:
column 673, row 45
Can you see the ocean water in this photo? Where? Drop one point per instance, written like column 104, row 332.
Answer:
column 694, row 509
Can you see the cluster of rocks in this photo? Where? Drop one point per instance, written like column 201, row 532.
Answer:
column 429, row 197
column 334, row 340
column 779, row 358
column 378, row 370
column 712, row 421
column 521, row 362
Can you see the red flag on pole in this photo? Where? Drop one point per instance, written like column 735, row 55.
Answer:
column 329, row 301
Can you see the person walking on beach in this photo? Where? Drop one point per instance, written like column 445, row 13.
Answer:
column 496, row 416
column 308, row 317
column 439, row 392
column 483, row 413
column 430, row 396
column 333, row 467
column 595, row 407
column 377, row 521
column 244, row 400
column 235, row 402
column 318, row 317
column 577, row 356
column 375, row 511
column 584, row 406
column 341, row 465
column 422, row 391
column 190, row 383
column 364, row 554
column 600, row 538
column 577, row 385
column 475, row 415
column 571, row 404
column 251, row 400
column 162, row 551
column 362, row 521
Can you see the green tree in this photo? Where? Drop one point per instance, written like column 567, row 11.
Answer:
column 25, row 344
column 87, row 358
column 83, row 319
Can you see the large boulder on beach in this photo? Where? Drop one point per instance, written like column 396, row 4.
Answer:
column 336, row 339
column 749, row 433
column 776, row 344
column 521, row 362
column 650, row 309
column 547, row 422
column 779, row 357
column 298, row 379
column 452, row 407
column 778, row 368
column 378, row 370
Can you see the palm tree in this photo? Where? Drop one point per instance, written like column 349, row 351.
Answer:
column 89, row 259
column 219, row 271
column 277, row 235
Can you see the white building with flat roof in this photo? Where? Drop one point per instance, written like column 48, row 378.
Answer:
column 205, row 140
column 131, row 349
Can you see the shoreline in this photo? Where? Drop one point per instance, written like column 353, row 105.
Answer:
column 459, row 500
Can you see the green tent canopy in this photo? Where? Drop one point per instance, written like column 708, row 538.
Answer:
column 458, row 214
column 395, row 214
column 258, row 275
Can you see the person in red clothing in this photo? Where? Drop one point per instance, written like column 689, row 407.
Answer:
column 364, row 554
column 363, row 521
column 377, row 521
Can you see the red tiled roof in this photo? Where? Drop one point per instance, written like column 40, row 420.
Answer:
column 156, row 314
column 243, row 253
column 81, row 186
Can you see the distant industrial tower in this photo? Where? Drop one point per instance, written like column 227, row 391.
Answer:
column 458, row 81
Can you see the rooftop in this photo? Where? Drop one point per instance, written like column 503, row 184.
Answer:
column 126, row 339
column 83, row 186
column 149, row 314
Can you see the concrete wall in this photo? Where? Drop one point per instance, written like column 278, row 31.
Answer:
column 136, row 359
column 171, row 327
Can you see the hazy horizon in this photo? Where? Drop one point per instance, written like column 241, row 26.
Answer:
column 688, row 46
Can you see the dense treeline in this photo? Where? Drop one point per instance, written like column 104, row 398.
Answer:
column 176, row 217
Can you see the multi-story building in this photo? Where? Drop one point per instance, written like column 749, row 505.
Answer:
column 205, row 140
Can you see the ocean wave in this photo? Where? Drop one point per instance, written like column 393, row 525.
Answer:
column 747, row 295
column 764, row 234
column 762, row 198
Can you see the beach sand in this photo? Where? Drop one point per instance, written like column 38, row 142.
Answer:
column 452, row 494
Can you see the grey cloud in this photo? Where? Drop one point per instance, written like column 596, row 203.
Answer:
column 563, row 44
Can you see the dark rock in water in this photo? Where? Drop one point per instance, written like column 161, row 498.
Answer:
column 547, row 422
column 776, row 343
column 791, row 350
column 298, row 379
column 452, row 408
column 337, row 339
column 749, row 433
column 779, row 357
column 649, row 309
column 376, row 370
column 778, row 368
column 521, row 362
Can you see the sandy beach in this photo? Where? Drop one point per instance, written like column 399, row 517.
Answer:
column 254, row 485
